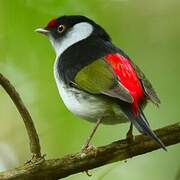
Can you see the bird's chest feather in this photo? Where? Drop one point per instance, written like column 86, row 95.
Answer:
column 87, row 106
column 79, row 102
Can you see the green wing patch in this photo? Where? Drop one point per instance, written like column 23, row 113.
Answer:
column 95, row 77
column 99, row 78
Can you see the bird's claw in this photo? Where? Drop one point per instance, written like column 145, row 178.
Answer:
column 88, row 148
column 85, row 150
column 129, row 137
column 87, row 173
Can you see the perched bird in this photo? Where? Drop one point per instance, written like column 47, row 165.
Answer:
column 96, row 80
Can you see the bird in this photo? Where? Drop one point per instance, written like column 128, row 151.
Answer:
column 97, row 80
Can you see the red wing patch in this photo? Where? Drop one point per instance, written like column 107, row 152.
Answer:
column 127, row 76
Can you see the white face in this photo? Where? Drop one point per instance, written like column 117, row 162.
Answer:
column 78, row 32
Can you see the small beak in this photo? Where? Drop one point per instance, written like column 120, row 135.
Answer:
column 42, row 30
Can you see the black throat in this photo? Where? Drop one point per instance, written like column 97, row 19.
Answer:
column 80, row 55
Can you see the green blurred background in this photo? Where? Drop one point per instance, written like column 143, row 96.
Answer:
column 148, row 30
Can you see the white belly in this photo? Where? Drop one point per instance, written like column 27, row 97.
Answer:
column 80, row 103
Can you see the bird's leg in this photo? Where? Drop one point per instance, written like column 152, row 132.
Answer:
column 129, row 135
column 86, row 146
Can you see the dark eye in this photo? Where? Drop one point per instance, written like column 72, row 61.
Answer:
column 60, row 28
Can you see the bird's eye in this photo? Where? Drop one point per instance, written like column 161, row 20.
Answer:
column 61, row 28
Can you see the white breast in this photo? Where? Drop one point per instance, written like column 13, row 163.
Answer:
column 78, row 102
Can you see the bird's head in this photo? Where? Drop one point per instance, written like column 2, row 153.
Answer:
column 65, row 31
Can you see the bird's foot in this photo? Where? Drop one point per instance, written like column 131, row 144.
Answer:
column 87, row 148
column 84, row 151
column 129, row 137
column 87, row 173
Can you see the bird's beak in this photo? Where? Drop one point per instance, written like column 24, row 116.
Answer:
column 42, row 30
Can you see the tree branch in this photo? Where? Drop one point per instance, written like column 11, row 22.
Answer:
column 54, row 169
column 31, row 131
column 79, row 162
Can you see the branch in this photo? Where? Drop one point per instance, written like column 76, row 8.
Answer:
column 31, row 131
column 74, row 163
column 54, row 169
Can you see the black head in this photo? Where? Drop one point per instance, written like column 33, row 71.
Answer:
column 60, row 26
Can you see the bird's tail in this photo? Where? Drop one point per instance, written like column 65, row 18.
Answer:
column 140, row 122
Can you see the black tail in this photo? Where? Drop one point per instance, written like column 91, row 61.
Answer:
column 142, row 125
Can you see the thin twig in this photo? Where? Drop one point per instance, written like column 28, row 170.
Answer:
column 54, row 169
column 31, row 131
